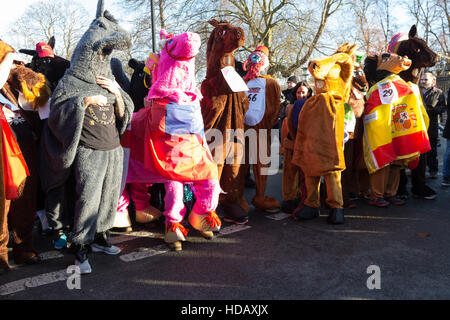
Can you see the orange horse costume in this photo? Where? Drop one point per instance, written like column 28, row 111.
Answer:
column 319, row 144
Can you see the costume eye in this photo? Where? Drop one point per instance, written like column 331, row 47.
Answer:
column 418, row 50
column 101, row 24
column 255, row 58
column 170, row 42
column 222, row 33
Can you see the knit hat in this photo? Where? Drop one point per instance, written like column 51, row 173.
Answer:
column 292, row 79
column 44, row 50
column 393, row 44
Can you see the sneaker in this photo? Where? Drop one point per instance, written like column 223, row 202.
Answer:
column 403, row 195
column 396, row 201
column 61, row 241
column 445, row 182
column 427, row 193
column 84, row 266
column 353, row 196
column 101, row 244
column 379, row 202
column 237, row 220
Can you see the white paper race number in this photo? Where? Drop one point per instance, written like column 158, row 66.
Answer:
column 388, row 92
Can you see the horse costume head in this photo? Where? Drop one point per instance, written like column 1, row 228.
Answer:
column 23, row 84
column 223, row 41
column 359, row 80
column 415, row 49
column 377, row 67
column 333, row 74
column 92, row 56
column 140, row 82
column 175, row 75
column 46, row 62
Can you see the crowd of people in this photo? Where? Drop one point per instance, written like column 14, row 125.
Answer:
column 96, row 156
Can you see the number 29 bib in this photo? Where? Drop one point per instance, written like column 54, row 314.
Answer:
column 256, row 95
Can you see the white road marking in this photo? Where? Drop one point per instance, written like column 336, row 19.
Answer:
column 232, row 229
column 48, row 255
column 32, row 282
column 278, row 216
column 140, row 254
column 62, row 275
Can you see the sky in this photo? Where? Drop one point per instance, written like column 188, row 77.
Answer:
column 12, row 10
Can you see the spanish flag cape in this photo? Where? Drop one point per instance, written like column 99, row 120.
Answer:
column 395, row 123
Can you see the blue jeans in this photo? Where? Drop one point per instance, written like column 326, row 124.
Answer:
column 446, row 169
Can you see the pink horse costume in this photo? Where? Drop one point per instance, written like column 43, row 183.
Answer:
column 167, row 141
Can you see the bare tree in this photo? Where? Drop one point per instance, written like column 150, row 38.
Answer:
column 369, row 36
column 65, row 20
column 387, row 24
column 290, row 29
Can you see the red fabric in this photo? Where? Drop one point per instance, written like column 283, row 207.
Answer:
column 44, row 50
column 409, row 144
column 181, row 158
column 14, row 165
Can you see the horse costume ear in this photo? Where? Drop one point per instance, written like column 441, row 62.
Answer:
column 51, row 42
column 133, row 63
column 28, row 52
column 351, row 49
column 163, row 34
column 412, row 32
column 213, row 22
column 100, row 8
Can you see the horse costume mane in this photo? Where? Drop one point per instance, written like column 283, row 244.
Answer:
column 46, row 62
column 415, row 49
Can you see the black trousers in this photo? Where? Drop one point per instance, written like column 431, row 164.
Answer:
column 432, row 161
column 418, row 178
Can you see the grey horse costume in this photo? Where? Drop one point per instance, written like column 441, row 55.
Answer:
column 97, row 171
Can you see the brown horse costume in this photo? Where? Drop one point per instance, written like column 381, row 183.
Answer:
column 417, row 50
column 318, row 149
column 223, row 110
column 19, row 213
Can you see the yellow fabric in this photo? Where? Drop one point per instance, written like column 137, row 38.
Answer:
column 381, row 131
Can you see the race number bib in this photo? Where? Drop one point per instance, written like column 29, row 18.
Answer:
column 388, row 92
column 257, row 97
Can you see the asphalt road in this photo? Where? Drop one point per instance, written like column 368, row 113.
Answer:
column 268, row 259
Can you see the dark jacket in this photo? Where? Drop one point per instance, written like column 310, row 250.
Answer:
column 446, row 133
column 434, row 101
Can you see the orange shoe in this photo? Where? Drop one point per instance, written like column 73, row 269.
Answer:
column 268, row 204
column 175, row 234
column 206, row 223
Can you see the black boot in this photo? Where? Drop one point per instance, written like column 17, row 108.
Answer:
column 336, row 216
column 290, row 205
column 306, row 213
